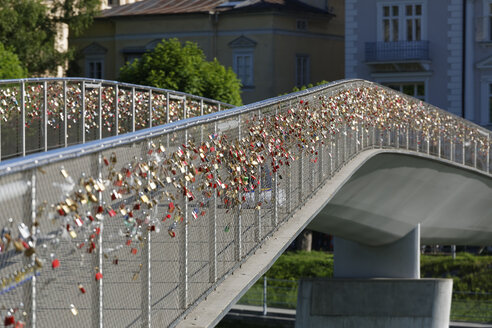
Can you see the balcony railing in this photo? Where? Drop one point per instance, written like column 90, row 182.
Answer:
column 397, row 51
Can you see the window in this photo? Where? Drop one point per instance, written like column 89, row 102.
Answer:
column 243, row 60
column 243, row 66
column 302, row 70
column 94, row 60
column 414, row 89
column 95, row 69
column 401, row 22
column 490, row 103
column 301, row 24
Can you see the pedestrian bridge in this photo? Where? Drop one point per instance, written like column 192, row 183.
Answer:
column 129, row 206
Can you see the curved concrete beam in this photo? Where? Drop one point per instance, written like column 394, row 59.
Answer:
column 392, row 192
column 212, row 307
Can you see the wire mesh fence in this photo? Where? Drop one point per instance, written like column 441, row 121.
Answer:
column 138, row 228
column 42, row 114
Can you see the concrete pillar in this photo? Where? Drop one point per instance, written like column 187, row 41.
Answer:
column 400, row 259
column 374, row 287
column 374, row 303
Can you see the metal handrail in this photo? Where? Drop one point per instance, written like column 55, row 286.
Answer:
column 107, row 203
column 58, row 112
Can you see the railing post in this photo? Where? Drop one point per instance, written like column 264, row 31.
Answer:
column 451, row 150
column 30, row 289
column 201, row 125
column 345, row 133
column 238, row 231
column 464, row 146
column 150, row 108
column 146, row 266
column 83, row 112
column 265, row 299
column 475, row 154
column 184, row 248
column 65, row 123
column 300, row 172
column 45, row 114
column 374, row 136
column 212, row 253
column 397, row 137
column 133, row 109
column 23, row 118
column 439, row 144
column 99, row 105
column 487, row 169
column 258, row 228
column 321, row 152
column 408, row 136
column 97, row 285
column 117, row 108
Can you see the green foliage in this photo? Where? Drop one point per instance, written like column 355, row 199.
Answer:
column 172, row 65
column 10, row 66
column 302, row 264
column 29, row 28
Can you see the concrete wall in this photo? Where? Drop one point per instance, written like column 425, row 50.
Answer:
column 374, row 303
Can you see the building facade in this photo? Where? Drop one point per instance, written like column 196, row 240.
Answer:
column 272, row 45
column 436, row 50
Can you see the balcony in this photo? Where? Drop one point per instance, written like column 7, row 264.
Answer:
column 397, row 52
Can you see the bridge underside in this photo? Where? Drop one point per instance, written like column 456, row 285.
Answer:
column 375, row 199
column 391, row 193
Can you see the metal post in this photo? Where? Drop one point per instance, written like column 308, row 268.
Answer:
column 97, row 287
column 201, row 125
column 23, row 114
column 301, row 169
column 344, row 142
column 30, row 291
column 146, row 300
column 428, row 144
column 408, row 136
column 45, row 114
column 184, row 249
column 463, row 146
column 321, row 173
column 451, row 150
column 487, row 169
column 150, row 108
column 453, row 251
column 184, row 109
column 117, row 109
column 439, row 145
column 212, row 253
column 99, row 105
column 373, row 136
column 83, row 112
column 417, row 140
column 475, row 155
column 397, row 137
column 258, row 230
column 238, row 231
column 65, row 123
column 133, row 109
column 265, row 312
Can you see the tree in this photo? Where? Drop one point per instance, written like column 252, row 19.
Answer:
column 172, row 65
column 10, row 65
column 29, row 29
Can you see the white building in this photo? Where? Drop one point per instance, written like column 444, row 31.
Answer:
column 436, row 50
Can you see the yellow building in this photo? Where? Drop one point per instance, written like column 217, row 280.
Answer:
column 272, row 45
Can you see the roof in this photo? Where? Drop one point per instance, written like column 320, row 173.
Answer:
column 168, row 7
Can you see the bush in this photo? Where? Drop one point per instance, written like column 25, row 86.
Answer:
column 174, row 66
column 10, row 65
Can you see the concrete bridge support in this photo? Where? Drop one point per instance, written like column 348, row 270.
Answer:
column 375, row 287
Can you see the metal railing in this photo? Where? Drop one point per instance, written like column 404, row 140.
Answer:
column 137, row 229
column 397, row 51
column 281, row 293
column 47, row 113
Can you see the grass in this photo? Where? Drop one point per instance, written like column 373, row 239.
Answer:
column 471, row 274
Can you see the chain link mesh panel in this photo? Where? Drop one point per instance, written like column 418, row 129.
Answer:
column 141, row 231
